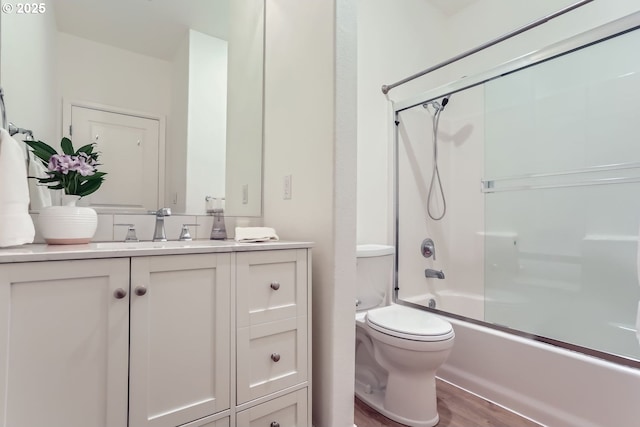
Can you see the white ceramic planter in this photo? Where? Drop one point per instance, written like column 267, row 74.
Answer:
column 67, row 224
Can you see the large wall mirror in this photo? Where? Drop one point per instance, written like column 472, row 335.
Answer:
column 170, row 91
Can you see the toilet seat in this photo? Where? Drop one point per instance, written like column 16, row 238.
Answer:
column 408, row 323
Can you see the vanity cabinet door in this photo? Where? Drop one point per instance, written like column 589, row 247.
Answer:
column 64, row 331
column 180, row 338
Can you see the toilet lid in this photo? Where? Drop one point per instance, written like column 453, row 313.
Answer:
column 409, row 323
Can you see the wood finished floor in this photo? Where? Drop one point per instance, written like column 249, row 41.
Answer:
column 456, row 408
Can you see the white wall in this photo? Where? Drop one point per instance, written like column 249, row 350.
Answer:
column 393, row 42
column 196, row 128
column 245, row 108
column 103, row 74
column 310, row 135
column 207, row 120
column 29, row 45
column 28, row 72
column 459, row 247
column 177, row 129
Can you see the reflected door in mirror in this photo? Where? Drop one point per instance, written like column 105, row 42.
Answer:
column 128, row 147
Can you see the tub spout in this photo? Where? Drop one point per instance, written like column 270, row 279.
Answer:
column 433, row 274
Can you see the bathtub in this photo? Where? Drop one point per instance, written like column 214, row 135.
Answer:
column 550, row 385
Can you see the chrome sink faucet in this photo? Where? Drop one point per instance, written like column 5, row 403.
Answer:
column 159, row 234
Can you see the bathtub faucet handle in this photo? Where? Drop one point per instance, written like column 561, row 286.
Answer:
column 428, row 248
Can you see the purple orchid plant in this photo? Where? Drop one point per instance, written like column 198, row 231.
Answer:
column 74, row 171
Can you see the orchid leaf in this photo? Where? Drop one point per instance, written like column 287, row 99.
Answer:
column 87, row 149
column 67, row 146
column 41, row 150
column 89, row 187
column 48, row 180
column 97, row 175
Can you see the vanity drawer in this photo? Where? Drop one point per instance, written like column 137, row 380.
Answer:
column 271, row 357
column 271, row 286
column 289, row 410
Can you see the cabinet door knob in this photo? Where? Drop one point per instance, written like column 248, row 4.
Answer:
column 275, row 424
column 275, row 357
column 120, row 293
column 140, row 290
column 275, row 286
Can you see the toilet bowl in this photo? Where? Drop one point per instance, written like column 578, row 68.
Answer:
column 398, row 348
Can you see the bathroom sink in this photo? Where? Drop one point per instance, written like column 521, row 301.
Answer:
column 163, row 245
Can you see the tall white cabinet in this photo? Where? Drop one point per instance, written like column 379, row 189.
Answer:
column 195, row 340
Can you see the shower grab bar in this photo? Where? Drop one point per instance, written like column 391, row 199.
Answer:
column 544, row 19
column 489, row 185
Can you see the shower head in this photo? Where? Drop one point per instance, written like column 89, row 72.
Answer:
column 438, row 106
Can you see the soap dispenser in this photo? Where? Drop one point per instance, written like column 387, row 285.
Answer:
column 218, row 231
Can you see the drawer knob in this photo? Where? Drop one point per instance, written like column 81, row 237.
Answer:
column 140, row 290
column 120, row 293
column 275, row 286
column 275, row 357
column 275, row 424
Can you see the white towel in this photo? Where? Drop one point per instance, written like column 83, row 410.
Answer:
column 40, row 194
column 16, row 226
column 255, row 234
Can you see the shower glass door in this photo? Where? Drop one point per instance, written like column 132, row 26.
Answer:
column 562, row 197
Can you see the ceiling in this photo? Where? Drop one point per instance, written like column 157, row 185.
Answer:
column 149, row 27
column 451, row 7
column 156, row 27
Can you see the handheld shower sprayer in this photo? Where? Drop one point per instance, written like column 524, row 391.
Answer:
column 435, row 176
column 444, row 101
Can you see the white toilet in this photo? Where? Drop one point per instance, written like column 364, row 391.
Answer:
column 398, row 348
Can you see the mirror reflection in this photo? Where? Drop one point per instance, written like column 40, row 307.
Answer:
column 147, row 82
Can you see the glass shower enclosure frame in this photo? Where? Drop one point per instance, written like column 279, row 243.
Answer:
column 553, row 196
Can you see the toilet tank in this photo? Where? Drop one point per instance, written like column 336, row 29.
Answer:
column 374, row 275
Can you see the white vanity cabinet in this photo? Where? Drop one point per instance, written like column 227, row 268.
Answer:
column 77, row 344
column 215, row 338
column 64, row 338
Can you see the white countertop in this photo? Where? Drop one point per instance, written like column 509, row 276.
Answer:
column 42, row 252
